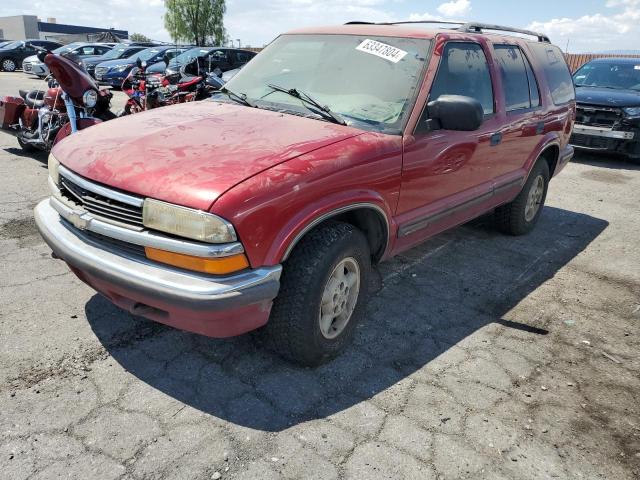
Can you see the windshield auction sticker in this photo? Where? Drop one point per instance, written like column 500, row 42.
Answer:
column 382, row 50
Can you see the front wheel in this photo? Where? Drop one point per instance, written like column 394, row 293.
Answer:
column 323, row 294
column 9, row 65
column 521, row 215
column 26, row 147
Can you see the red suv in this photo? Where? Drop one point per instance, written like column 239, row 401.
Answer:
column 333, row 149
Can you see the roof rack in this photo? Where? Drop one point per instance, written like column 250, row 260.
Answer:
column 470, row 27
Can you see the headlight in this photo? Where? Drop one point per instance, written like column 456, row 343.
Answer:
column 632, row 111
column 90, row 98
column 53, row 166
column 120, row 68
column 186, row 222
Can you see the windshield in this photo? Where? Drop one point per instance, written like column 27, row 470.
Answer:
column 146, row 54
column 190, row 55
column 115, row 53
column 13, row 45
column 369, row 81
column 609, row 75
column 66, row 48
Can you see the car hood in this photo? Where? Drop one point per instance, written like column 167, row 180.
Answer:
column 608, row 97
column 157, row 67
column 190, row 154
column 94, row 61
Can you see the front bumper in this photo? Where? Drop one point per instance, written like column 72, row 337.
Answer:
column 213, row 306
column 595, row 138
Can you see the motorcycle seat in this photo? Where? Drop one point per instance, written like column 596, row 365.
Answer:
column 33, row 98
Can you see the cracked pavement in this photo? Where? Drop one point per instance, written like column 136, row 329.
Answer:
column 482, row 356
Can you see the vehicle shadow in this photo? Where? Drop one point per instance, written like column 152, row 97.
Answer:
column 605, row 160
column 37, row 155
column 432, row 298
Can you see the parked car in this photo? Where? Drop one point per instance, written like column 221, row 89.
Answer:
column 12, row 54
column 608, row 106
column 113, row 72
column 120, row 51
column 215, row 59
column 267, row 207
column 5, row 42
column 81, row 50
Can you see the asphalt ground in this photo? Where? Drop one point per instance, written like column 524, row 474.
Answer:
column 482, row 356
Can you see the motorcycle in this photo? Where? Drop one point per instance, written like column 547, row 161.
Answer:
column 72, row 102
column 152, row 91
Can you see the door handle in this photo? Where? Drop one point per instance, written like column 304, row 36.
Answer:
column 496, row 139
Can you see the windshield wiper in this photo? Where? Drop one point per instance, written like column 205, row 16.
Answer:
column 305, row 97
column 239, row 97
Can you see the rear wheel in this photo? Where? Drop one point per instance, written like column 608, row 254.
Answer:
column 8, row 65
column 26, row 147
column 521, row 215
column 323, row 294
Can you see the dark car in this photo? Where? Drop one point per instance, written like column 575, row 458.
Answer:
column 116, row 53
column 12, row 54
column 608, row 106
column 215, row 58
column 113, row 72
column 82, row 50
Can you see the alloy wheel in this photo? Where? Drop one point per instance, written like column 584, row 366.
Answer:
column 339, row 298
column 8, row 65
column 534, row 200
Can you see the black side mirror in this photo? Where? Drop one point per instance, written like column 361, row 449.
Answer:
column 139, row 63
column 166, row 59
column 455, row 112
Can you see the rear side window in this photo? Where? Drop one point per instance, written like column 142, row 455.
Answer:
column 464, row 71
column 514, row 77
column 243, row 57
column 556, row 71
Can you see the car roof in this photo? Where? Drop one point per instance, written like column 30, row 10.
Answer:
column 620, row 60
column 419, row 30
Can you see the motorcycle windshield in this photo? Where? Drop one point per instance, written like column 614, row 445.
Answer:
column 70, row 74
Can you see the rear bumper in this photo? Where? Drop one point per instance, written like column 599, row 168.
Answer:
column 213, row 306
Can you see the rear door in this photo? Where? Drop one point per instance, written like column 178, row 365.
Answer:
column 524, row 116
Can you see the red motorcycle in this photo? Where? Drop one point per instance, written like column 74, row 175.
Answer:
column 73, row 101
column 152, row 91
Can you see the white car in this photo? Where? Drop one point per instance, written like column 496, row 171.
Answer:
column 34, row 66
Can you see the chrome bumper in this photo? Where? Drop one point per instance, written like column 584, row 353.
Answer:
column 137, row 274
column 602, row 132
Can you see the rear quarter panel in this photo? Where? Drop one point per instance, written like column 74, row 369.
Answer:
column 269, row 209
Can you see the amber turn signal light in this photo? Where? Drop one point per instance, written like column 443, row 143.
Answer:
column 217, row 266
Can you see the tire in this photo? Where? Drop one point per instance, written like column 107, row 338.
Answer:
column 295, row 330
column 521, row 215
column 8, row 65
column 26, row 147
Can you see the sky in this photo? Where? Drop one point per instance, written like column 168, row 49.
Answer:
column 582, row 25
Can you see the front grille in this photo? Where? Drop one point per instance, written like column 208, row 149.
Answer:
column 588, row 141
column 597, row 116
column 137, row 250
column 101, row 206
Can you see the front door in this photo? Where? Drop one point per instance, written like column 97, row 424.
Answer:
column 447, row 175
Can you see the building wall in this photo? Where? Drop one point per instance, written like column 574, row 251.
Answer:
column 19, row 27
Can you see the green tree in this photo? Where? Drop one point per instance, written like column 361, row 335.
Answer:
column 139, row 37
column 196, row 21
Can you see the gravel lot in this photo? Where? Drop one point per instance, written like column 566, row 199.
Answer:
column 482, row 356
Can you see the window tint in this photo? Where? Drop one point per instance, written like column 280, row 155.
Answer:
column 514, row 77
column 243, row 57
column 464, row 71
column 534, row 90
column 556, row 72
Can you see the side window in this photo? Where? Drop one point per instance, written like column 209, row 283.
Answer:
column 556, row 71
column 514, row 77
column 219, row 56
column 102, row 50
column 464, row 71
column 88, row 50
column 534, row 89
column 243, row 57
